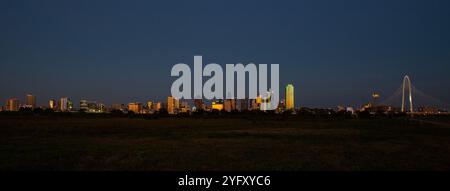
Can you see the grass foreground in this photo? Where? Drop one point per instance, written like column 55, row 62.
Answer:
column 243, row 144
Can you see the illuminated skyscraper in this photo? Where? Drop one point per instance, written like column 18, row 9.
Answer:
column 52, row 104
column 290, row 97
column 170, row 105
column 176, row 104
column 63, row 104
column 84, row 105
column 31, row 101
column 13, row 105
column 135, row 107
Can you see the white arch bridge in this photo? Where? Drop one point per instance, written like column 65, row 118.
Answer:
column 408, row 98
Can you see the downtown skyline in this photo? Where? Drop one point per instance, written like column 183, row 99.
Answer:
column 67, row 104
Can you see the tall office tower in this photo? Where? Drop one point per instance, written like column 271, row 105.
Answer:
column 63, row 104
column 84, row 105
column 52, row 104
column 13, row 105
column 31, row 101
column 176, row 104
column 135, row 107
column 290, row 97
column 198, row 103
column 170, row 105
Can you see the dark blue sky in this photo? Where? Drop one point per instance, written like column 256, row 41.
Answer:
column 334, row 52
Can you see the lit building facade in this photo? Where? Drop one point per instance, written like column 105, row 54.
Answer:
column 13, row 105
column 118, row 106
column 92, row 107
column 31, row 101
column 157, row 106
column 217, row 105
column 184, row 107
column 84, row 105
column 52, row 104
column 63, row 104
column 170, row 105
column 289, row 98
column 135, row 107
column 176, row 104
column 150, row 104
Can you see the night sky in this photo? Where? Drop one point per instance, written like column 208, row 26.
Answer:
column 334, row 52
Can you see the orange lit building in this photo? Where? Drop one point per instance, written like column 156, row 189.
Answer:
column 171, row 105
column 217, row 105
column 135, row 107
column 13, row 105
column 31, row 101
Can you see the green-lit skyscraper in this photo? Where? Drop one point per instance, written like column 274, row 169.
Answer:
column 290, row 97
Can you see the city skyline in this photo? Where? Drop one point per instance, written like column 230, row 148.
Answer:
column 172, row 103
column 287, row 104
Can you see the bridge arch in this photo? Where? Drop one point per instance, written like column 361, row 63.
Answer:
column 407, row 82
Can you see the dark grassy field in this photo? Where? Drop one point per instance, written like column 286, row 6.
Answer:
column 260, row 143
